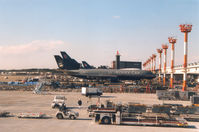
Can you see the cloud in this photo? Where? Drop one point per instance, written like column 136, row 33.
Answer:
column 32, row 47
column 116, row 17
column 35, row 54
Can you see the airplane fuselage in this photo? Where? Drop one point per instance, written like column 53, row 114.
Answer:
column 111, row 74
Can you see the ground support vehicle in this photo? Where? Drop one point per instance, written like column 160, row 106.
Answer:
column 105, row 116
column 58, row 101
column 113, row 116
column 91, row 91
column 67, row 114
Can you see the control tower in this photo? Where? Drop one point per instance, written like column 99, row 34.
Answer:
column 117, row 62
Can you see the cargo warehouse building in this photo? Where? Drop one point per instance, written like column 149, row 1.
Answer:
column 127, row 64
column 117, row 64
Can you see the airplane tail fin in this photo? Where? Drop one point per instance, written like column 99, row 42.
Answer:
column 86, row 65
column 65, row 55
column 59, row 61
column 68, row 62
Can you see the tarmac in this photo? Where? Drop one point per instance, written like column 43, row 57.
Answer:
column 23, row 101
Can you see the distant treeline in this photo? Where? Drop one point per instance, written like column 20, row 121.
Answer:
column 34, row 70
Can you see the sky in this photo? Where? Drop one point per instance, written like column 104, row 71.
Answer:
column 32, row 31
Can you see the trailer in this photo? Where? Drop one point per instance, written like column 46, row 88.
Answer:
column 151, row 119
column 119, row 117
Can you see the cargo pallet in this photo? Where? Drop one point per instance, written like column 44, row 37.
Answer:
column 32, row 115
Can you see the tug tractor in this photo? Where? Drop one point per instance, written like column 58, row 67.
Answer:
column 67, row 114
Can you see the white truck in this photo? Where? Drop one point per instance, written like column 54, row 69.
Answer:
column 91, row 91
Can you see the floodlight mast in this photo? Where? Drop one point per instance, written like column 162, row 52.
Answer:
column 185, row 28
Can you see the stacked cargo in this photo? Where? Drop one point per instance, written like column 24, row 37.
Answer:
column 161, row 109
column 195, row 100
column 174, row 94
column 136, row 108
